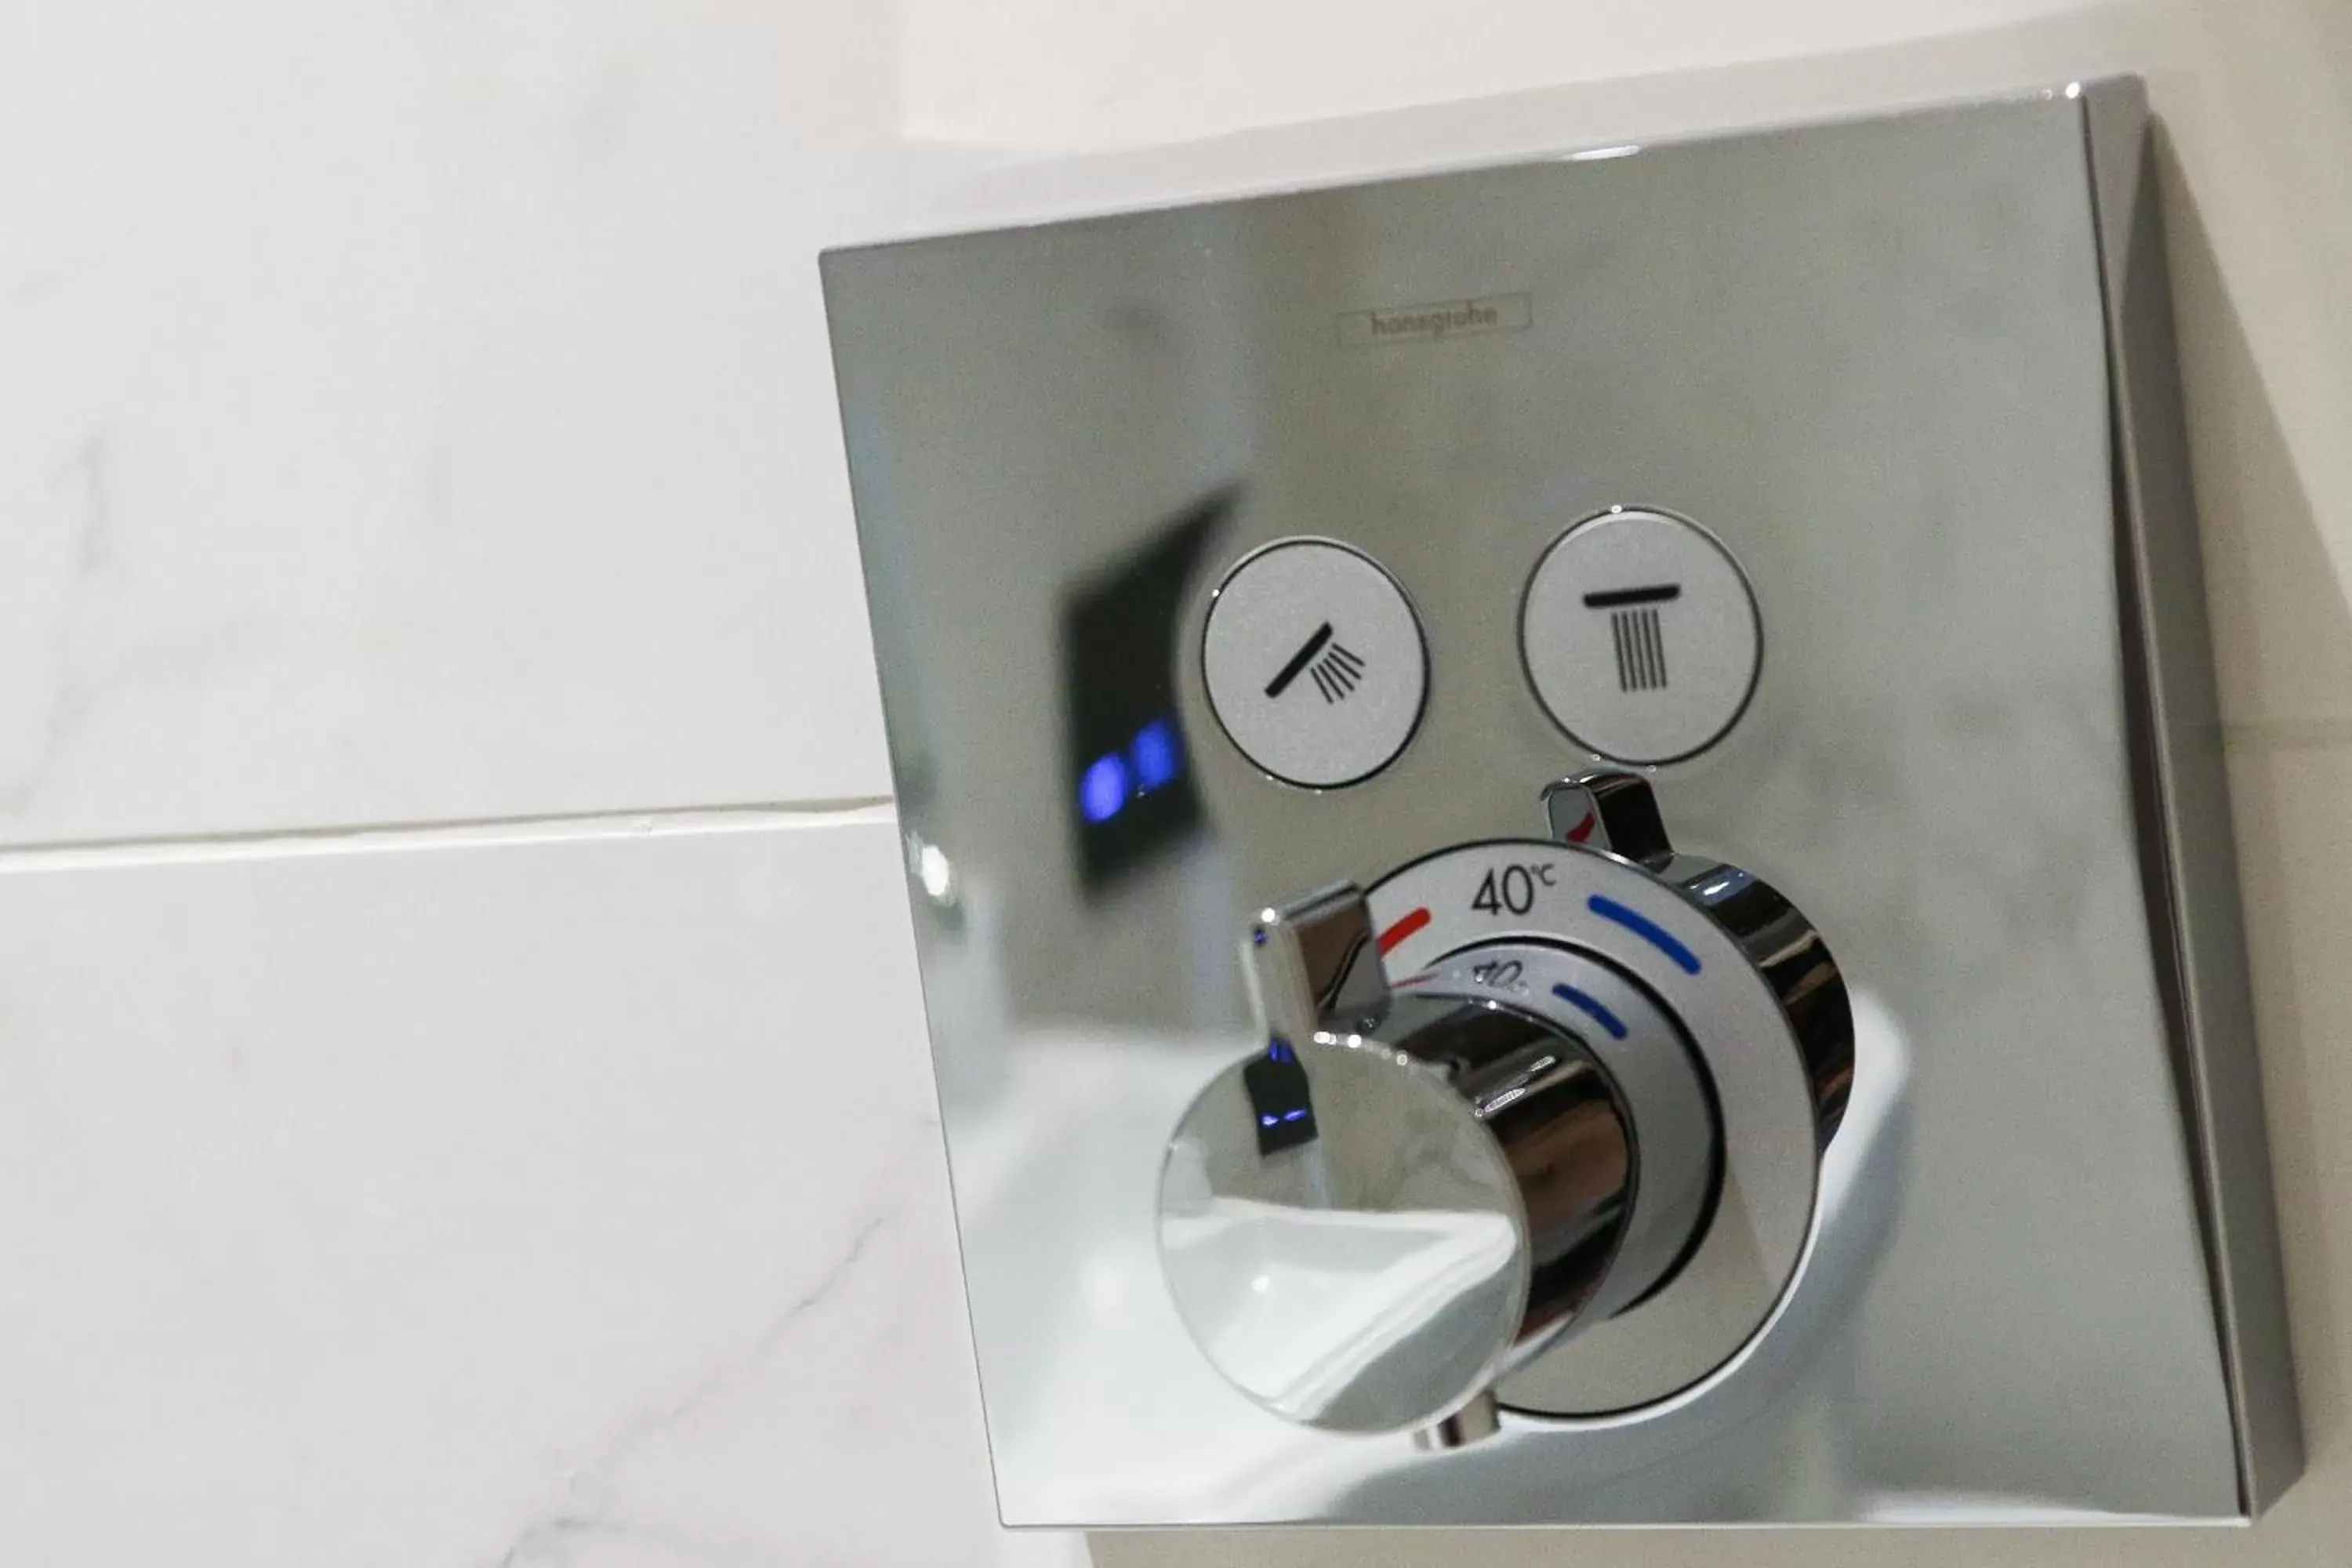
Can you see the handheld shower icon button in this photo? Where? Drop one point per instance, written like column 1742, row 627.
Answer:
column 1335, row 666
column 1313, row 662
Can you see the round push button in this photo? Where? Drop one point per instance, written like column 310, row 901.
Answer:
column 1640, row 636
column 1313, row 662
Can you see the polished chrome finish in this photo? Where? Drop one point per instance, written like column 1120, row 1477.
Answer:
column 1314, row 961
column 1407, row 1197
column 2181, row 794
column 1796, row 962
column 1482, row 1418
column 1663, row 1093
column 1608, row 808
column 1369, row 1271
column 1913, row 372
column 1604, row 908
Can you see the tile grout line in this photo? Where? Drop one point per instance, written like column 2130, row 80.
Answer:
column 2239, row 737
column 446, row 833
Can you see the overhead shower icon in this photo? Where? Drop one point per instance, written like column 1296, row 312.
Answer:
column 1640, row 642
column 1336, row 668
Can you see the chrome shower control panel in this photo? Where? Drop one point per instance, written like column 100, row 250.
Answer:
column 1682, row 677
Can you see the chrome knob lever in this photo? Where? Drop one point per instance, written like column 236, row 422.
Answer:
column 1409, row 1194
column 1616, row 813
column 1411, row 1191
column 1314, row 963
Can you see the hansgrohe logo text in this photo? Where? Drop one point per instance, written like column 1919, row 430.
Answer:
column 1438, row 318
column 1436, row 322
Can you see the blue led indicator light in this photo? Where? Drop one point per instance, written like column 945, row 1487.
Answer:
column 1155, row 755
column 1102, row 789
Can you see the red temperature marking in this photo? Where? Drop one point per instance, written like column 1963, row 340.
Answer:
column 1583, row 830
column 1402, row 928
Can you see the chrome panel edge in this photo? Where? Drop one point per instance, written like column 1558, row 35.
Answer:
column 2187, row 787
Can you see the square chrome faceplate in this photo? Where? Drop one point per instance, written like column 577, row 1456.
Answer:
column 1916, row 374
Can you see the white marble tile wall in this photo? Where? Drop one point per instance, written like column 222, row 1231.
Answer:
column 529, row 1200
column 417, row 411
column 414, row 413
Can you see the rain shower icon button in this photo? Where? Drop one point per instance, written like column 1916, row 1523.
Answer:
column 1640, row 636
column 1313, row 662
column 1633, row 627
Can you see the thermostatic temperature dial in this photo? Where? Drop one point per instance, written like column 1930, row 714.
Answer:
column 1567, row 1159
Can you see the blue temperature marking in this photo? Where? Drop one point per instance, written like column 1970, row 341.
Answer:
column 1649, row 931
column 1591, row 1008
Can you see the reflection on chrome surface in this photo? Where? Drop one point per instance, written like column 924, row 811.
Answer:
column 1889, row 365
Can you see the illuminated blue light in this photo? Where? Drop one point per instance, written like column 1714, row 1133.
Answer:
column 1102, row 790
column 1295, row 1115
column 1265, row 1120
column 1154, row 754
